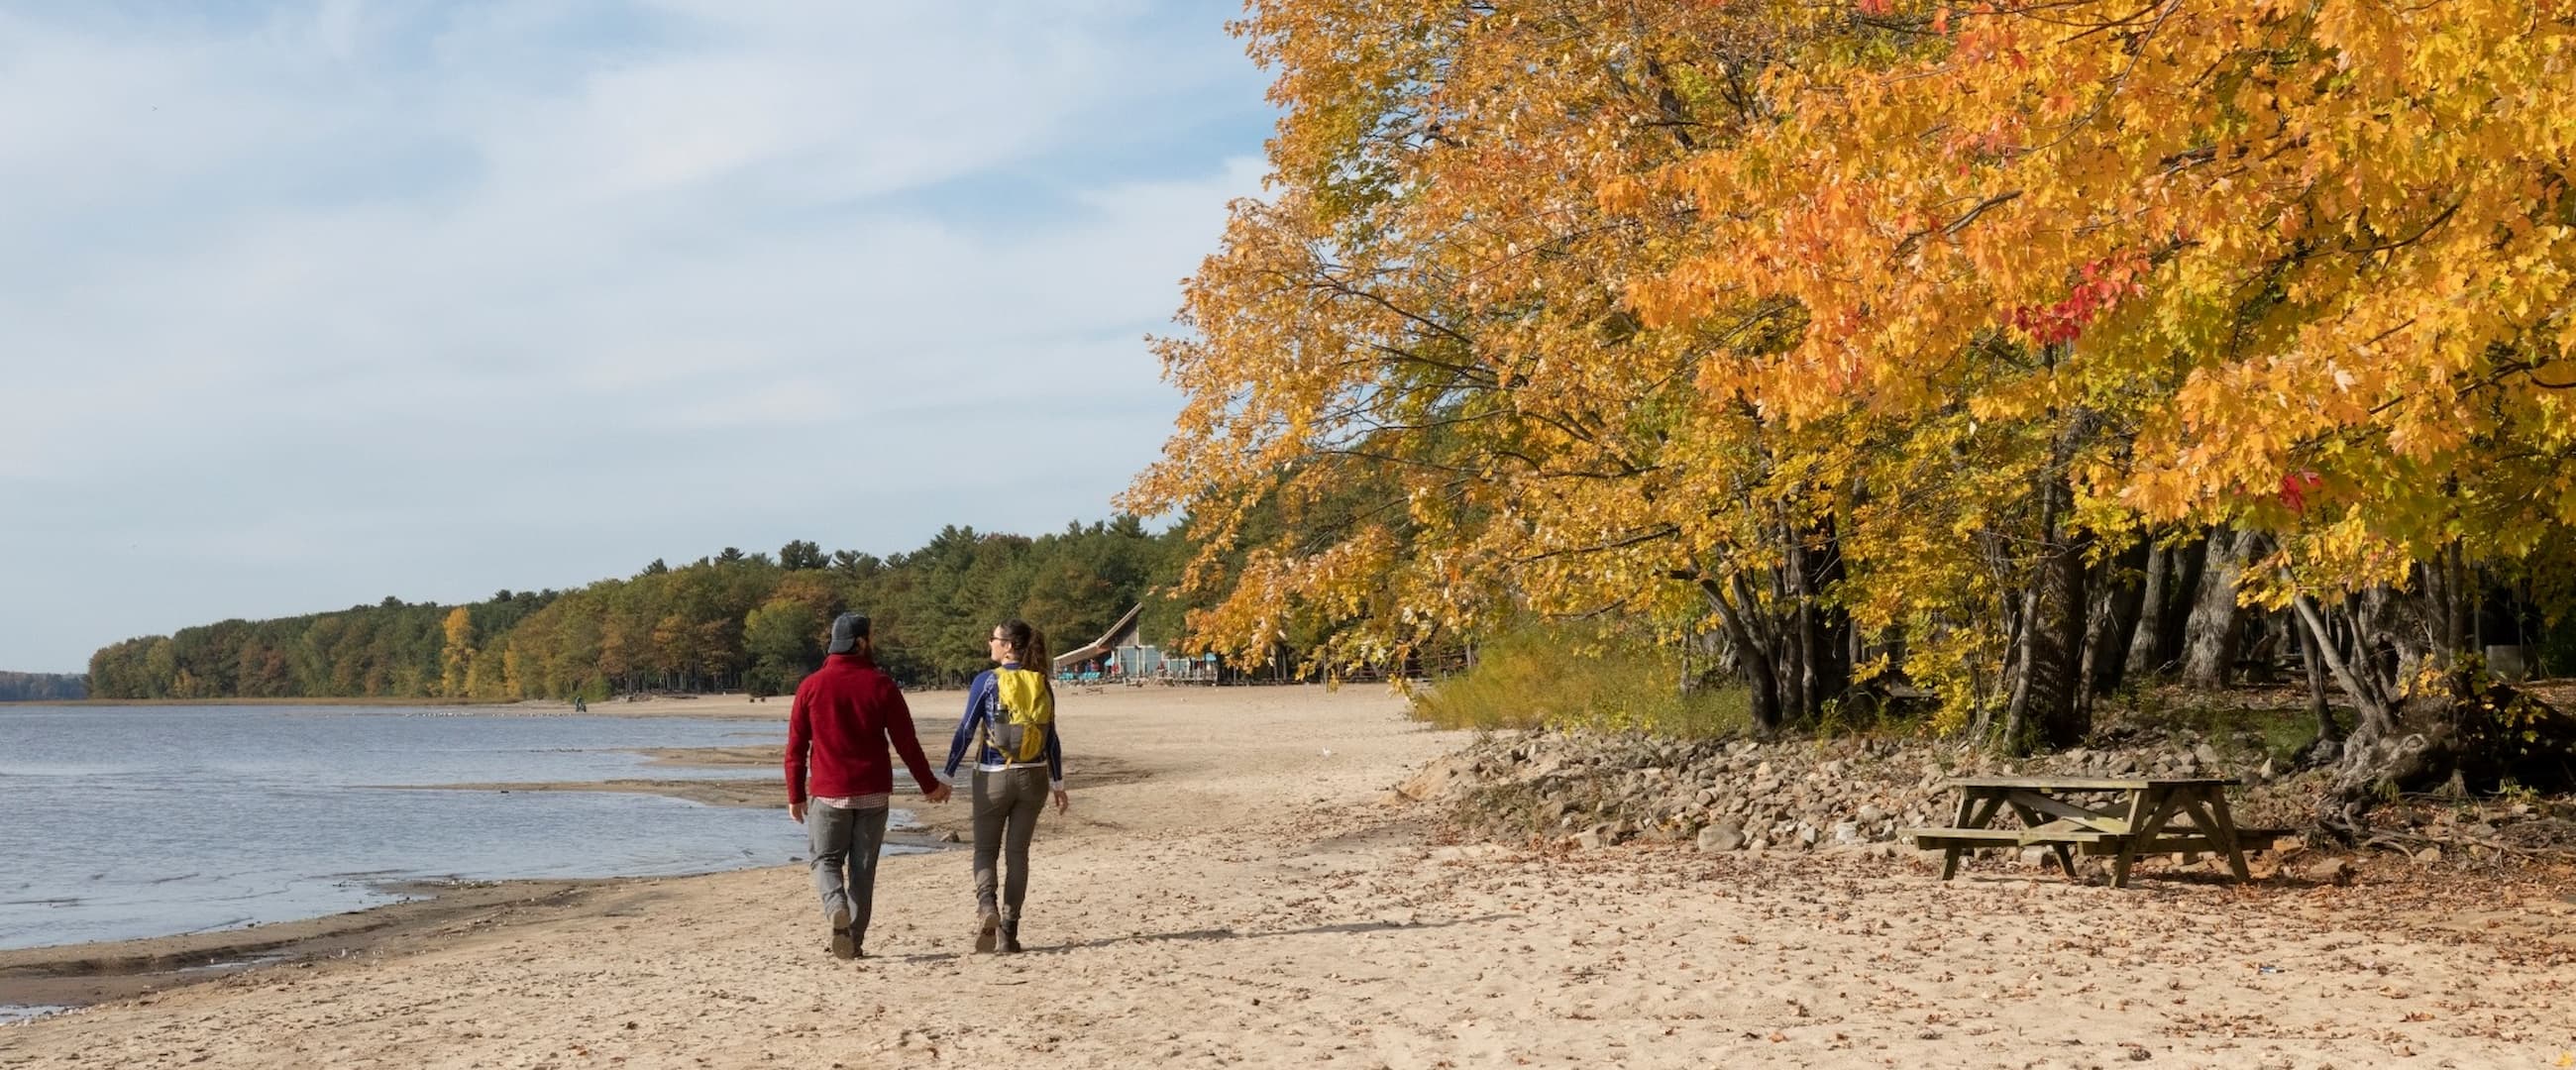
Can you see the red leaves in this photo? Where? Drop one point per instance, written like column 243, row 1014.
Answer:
column 1877, row 8
column 2101, row 286
column 2295, row 488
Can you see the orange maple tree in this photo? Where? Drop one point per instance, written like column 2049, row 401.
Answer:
column 1887, row 319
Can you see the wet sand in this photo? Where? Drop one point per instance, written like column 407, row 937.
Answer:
column 82, row 974
column 767, row 792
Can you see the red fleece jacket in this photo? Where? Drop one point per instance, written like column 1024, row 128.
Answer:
column 844, row 715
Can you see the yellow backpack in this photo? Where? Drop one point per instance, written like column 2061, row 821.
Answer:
column 1028, row 707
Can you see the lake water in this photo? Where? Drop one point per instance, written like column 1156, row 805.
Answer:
column 122, row 822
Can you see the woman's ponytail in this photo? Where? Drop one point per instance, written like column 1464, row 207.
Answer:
column 1028, row 644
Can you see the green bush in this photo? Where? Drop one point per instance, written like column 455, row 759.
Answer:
column 1563, row 676
column 2556, row 656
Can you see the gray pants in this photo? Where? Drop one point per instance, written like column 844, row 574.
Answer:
column 850, row 838
column 1007, row 805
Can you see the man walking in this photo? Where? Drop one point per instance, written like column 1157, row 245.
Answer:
column 845, row 715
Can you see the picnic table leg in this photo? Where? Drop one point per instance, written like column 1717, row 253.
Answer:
column 1977, row 808
column 2031, row 819
column 2146, row 816
column 1950, row 855
column 2220, row 828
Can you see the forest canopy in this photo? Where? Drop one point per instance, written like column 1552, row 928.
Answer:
column 734, row 620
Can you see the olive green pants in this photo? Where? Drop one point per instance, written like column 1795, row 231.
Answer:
column 1007, row 805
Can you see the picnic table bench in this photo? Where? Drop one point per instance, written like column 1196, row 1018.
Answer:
column 2123, row 817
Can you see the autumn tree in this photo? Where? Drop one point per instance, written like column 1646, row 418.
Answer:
column 2301, row 271
column 457, row 652
column 1418, row 356
column 1917, row 329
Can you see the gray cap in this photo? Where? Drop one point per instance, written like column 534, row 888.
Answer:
column 847, row 630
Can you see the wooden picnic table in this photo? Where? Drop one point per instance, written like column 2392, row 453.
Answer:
column 2123, row 817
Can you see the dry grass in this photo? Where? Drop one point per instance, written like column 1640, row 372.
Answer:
column 1564, row 677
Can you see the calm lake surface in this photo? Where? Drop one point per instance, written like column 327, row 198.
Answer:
column 122, row 822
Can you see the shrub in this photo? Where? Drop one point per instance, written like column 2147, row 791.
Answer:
column 1570, row 676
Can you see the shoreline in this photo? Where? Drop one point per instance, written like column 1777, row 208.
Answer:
column 766, row 793
column 377, row 700
column 54, row 978
column 715, row 704
column 72, row 976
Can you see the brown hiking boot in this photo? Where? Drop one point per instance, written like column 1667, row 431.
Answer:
column 845, row 944
column 1010, row 936
column 987, row 927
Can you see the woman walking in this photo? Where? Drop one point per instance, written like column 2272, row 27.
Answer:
column 1010, row 723
column 846, row 714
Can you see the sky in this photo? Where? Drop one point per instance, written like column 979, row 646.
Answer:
column 313, row 303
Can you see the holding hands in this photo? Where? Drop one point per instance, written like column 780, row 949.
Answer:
column 937, row 793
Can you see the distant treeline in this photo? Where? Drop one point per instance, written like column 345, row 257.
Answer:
column 42, row 686
column 734, row 620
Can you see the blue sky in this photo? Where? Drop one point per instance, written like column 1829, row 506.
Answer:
column 314, row 303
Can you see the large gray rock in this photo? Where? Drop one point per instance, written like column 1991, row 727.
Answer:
column 1720, row 837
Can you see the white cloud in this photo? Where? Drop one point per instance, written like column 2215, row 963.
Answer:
column 397, row 292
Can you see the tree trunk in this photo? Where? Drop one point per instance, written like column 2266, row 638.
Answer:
column 2141, row 660
column 2183, row 566
column 1755, row 656
column 2462, row 589
column 2448, row 606
column 2216, row 622
column 2327, row 731
column 1708, row 661
column 2122, row 602
column 2046, row 707
column 2372, row 643
column 2347, row 658
column 2371, row 755
column 2016, row 682
column 2098, row 583
column 1825, row 631
column 2054, row 679
column 2393, row 633
column 1789, row 644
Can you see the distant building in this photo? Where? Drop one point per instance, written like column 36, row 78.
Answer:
column 1121, row 655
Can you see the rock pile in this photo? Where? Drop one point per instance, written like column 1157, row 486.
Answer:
column 1596, row 789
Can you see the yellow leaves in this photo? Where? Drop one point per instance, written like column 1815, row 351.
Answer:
column 1622, row 194
column 456, row 652
column 2335, row 552
column 1556, row 278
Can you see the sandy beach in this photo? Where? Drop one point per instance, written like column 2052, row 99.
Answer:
column 1237, row 885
